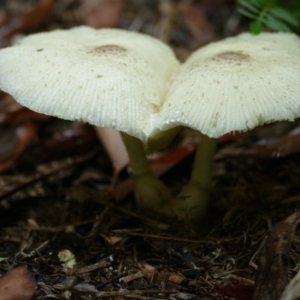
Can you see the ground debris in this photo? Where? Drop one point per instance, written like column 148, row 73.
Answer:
column 56, row 176
column 242, row 289
column 272, row 273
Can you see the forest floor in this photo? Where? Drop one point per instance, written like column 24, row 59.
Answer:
column 55, row 185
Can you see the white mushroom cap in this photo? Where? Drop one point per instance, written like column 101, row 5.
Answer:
column 107, row 77
column 236, row 84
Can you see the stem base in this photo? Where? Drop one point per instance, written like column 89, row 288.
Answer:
column 150, row 192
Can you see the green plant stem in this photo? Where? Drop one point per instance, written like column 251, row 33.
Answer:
column 265, row 10
column 150, row 192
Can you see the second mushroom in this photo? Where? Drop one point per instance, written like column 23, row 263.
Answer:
column 232, row 85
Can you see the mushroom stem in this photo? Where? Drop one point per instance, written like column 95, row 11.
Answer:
column 150, row 192
column 193, row 199
column 161, row 138
column 202, row 169
column 138, row 160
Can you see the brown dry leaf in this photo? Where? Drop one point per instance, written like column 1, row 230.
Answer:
column 138, row 294
column 214, row 3
column 166, row 161
column 28, row 21
column 20, row 139
column 24, row 115
column 277, row 147
column 99, row 265
column 12, row 113
column 158, row 275
column 242, row 290
column 102, row 13
column 272, row 272
column 197, row 23
column 8, row 141
column 67, row 139
column 228, row 137
column 132, row 277
column 112, row 239
column 8, row 104
column 17, row 285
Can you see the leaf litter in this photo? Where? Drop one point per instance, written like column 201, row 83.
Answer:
column 56, row 184
column 17, row 284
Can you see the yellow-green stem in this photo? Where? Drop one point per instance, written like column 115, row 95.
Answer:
column 192, row 202
column 138, row 160
column 150, row 192
column 202, row 168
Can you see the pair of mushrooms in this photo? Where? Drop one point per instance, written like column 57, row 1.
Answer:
column 134, row 83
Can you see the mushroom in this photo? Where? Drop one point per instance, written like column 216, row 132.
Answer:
column 107, row 77
column 231, row 85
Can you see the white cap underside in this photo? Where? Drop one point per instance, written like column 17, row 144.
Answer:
column 236, row 84
column 67, row 74
column 232, row 85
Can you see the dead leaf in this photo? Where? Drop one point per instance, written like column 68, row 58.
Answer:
column 242, row 290
column 132, row 277
column 12, row 113
column 277, row 147
column 197, row 23
column 67, row 139
column 272, row 272
column 102, row 13
column 29, row 21
column 8, row 142
column 138, row 294
column 17, row 285
column 213, row 3
column 99, row 265
column 158, row 275
column 229, row 137
column 8, row 104
column 24, row 115
column 18, row 142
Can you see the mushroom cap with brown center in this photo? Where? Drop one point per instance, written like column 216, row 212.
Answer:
column 107, row 77
column 236, row 84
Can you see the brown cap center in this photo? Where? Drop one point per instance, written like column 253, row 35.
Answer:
column 231, row 56
column 110, row 49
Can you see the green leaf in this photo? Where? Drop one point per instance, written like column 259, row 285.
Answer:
column 3, row 259
column 261, row 3
column 249, row 6
column 296, row 12
column 184, row 209
column 193, row 208
column 276, row 24
column 183, row 197
column 256, row 27
column 247, row 13
column 284, row 14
